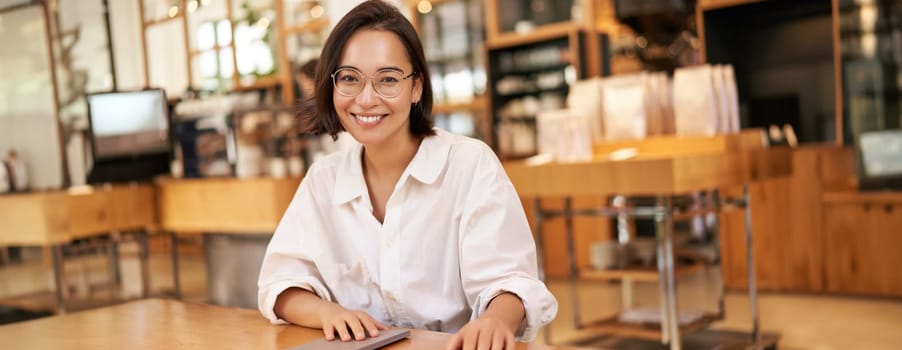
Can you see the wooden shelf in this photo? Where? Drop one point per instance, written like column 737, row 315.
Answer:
column 311, row 26
column 650, row 331
column 551, row 68
column 477, row 104
column 265, row 82
column 542, row 33
column 533, row 92
column 706, row 5
column 642, row 274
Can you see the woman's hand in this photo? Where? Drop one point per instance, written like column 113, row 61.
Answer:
column 349, row 324
column 484, row 333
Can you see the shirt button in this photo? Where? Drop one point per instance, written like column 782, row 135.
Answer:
column 388, row 243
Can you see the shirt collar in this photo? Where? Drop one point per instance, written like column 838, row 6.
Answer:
column 431, row 157
column 426, row 166
column 349, row 183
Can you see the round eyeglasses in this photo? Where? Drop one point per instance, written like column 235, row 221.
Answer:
column 387, row 83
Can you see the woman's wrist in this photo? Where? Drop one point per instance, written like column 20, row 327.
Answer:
column 507, row 308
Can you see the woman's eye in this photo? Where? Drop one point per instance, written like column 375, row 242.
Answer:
column 348, row 78
column 388, row 80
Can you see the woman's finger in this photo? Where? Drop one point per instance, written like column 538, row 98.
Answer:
column 484, row 342
column 455, row 342
column 498, row 341
column 342, row 328
column 369, row 324
column 356, row 325
column 329, row 331
column 511, row 342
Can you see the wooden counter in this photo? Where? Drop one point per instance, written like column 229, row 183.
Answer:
column 54, row 219
column 861, row 238
column 166, row 324
column 858, row 197
column 653, row 174
column 57, row 217
column 224, row 205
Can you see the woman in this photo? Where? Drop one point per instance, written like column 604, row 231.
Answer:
column 414, row 227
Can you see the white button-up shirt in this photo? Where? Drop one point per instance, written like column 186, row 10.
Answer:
column 454, row 236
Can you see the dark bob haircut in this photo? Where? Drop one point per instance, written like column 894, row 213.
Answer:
column 369, row 15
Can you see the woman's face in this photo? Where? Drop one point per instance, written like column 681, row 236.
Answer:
column 373, row 118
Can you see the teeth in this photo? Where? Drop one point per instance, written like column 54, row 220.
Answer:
column 368, row 118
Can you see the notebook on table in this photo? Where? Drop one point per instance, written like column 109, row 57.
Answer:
column 384, row 338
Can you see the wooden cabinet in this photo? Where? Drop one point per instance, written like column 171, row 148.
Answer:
column 862, row 241
column 224, row 205
column 787, row 223
column 57, row 217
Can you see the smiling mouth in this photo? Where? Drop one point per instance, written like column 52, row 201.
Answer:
column 368, row 118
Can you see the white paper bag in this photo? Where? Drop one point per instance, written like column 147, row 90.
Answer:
column 625, row 107
column 585, row 99
column 722, row 98
column 732, row 98
column 564, row 135
column 694, row 101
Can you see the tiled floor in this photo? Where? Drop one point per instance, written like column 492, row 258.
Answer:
column 803, row 321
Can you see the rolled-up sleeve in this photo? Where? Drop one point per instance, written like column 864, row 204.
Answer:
column 288, row 262
column 497, row 250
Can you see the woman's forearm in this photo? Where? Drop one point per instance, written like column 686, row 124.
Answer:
column 301, row 307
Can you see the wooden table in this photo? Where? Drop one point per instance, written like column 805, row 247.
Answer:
column 661, row 173
column 168, row 324
column 56, row 218
column 224, row 205
column 649, row 174
column 247, row 207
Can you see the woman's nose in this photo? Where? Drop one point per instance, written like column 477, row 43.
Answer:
column 367, row 95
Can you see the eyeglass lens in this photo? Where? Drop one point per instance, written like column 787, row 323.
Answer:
column 350, row 82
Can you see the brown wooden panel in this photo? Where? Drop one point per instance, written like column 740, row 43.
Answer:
column 134, row 207
column 787, row 221
column 90, row 213
column 716, row 4
column 675, row 144
column 803, row 254
column 771, row 216
column 838, row 168
column 732, row 245
column 224, row 205
column 848, row 238
column 32, row 219
column 893, row 234
column 862, row 244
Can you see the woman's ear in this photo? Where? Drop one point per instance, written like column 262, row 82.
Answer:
column 417, row 89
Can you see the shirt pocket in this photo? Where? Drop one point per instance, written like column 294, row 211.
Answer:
column 349, row 284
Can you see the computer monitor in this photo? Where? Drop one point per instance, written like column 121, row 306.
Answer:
column 880, row 160
column 129, row 135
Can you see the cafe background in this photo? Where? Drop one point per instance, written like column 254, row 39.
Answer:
column 540, row 81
